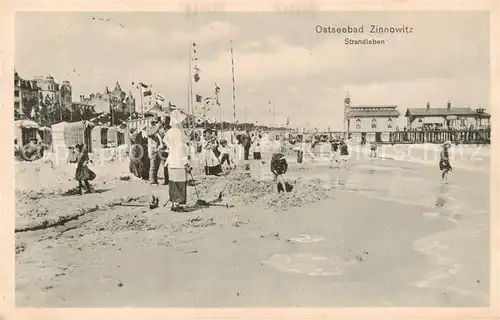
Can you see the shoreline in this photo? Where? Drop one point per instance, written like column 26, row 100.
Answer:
column 295, row 234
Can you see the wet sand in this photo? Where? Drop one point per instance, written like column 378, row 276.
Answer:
column 370, row 235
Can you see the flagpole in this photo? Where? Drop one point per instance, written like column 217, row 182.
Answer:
column 142, row 103
column 191, row 87
column 234, row 87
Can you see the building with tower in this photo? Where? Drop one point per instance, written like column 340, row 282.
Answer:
column 370, row 118
column 65, row 92
column 49, row 89
column 117, row 100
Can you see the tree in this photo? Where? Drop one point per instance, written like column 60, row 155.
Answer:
column 44, row 114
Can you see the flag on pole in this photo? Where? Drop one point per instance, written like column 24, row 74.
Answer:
column 198, row 98
column 159, row 99
column 287, row 121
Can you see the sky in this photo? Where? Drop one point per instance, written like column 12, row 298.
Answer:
column 278, row 57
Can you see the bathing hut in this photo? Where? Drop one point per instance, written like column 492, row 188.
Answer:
column 25, row 130
column 99, row 137
column 46, row 136
column 112, row 137
column 66, row 135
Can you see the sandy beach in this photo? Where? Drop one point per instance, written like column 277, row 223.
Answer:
column 383, row 232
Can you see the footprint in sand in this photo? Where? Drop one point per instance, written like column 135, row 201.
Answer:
column 307, row 264
column 304, row 238
column 431, row 214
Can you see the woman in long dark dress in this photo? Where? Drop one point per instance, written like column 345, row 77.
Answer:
column 143, row 142
column 83, row 174
column 136, row 154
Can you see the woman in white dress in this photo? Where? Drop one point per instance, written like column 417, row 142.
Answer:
column 177, row 161
column 212, row 164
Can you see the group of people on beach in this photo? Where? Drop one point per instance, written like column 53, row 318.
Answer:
column 166, row 145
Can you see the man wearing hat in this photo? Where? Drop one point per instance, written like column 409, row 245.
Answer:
column 154, row 149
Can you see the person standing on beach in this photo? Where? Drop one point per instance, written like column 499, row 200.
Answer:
column 178, row 161
column 344, row 153
column 212, row 164
column 224, row 153
column 373, row 150
column 444, row 162
column 279, row 167
column 335, row 153
column 17, row 150
column 154, row 145
column 256, row 148
column 83, row 174
column 247, row 143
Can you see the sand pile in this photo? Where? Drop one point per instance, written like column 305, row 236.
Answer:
column 304, row 192
column 195, row 222
column 135, row 221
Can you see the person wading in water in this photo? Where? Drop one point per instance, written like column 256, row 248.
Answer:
column 344, row 153
column 444, row 162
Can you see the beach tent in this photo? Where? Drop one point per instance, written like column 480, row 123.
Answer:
column 46, row 136
column 66, row 135
column 25, row 130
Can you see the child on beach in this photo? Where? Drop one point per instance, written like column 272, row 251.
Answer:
column 344, row 153
column 300, row 156
column 373, row 150
column 335, row 153
column 444, row 162
column 279, row 166
column 224, row 153
column 83, row 174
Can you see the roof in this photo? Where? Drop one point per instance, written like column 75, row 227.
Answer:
column 373, row 113
column 28, row 124
column 118, row 88
column 442, row 112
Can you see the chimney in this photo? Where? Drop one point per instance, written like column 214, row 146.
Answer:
column 448, row 105
column 428, row 105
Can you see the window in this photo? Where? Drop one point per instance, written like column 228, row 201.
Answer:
column 374, row 123
column 16, row 93
column 389, row 123
column 358, row 123
column 463, row 122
